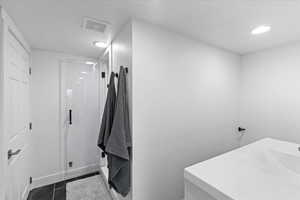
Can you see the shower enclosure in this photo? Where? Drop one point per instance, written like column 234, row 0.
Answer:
column 80, row 117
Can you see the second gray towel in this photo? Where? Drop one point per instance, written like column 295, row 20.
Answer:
column 119, row 142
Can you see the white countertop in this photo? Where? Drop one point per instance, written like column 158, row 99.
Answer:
column 265, row 170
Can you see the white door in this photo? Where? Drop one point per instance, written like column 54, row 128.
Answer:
column 16, row 118
column 80, row 116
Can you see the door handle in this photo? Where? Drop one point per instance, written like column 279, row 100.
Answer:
column 70, row 117
column 10, row 153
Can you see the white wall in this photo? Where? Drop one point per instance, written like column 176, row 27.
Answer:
column 270, row 94
column 45, row 113
column 2, row 150
column 122, row 56
column 185, row 108
column 47, row 164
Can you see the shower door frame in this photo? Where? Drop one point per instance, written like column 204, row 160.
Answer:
column 65, row 173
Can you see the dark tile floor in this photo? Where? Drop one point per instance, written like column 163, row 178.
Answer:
column 56, row 191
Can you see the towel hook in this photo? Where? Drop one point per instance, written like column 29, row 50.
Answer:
column 241, row 129
column 126, row 70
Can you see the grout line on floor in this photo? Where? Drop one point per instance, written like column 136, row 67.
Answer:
column 53, row 195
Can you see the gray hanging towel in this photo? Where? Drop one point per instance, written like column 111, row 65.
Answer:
column 119, row 142
column 108, row 114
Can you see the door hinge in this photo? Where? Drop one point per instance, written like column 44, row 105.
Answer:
column 102, row 74
column 30, row 126
column 30, row 70
column 30, row 180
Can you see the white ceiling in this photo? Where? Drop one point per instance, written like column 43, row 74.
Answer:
column 56, row 24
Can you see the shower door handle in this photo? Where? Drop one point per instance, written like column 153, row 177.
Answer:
column 70, row 117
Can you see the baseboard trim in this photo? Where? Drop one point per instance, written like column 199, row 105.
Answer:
column 104, row 174
column 114, row 194
column 63, row 175
column 26, row 192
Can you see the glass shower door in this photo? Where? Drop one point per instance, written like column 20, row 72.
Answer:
column 81, row 117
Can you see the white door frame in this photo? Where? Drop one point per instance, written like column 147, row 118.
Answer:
column 7, row 27
column 106, row 56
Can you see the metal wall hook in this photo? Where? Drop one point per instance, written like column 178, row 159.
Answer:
column 240, row 129
column 126, row 70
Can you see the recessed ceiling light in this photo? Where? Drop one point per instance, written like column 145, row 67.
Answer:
column 89, row 63
column 261, row 29
column 84, row 72
column 100, row 44
column 80, row 78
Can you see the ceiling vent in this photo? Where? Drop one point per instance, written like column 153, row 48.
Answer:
column 95, row 25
